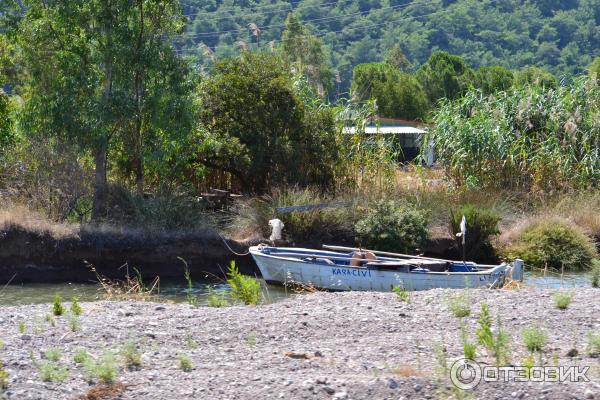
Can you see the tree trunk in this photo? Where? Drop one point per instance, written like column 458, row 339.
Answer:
column 99, row 206
column 100, row 182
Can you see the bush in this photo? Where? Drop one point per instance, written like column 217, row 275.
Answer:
column 391, row 226
column 57, row 308
column 534, row 338
column 562, row 300
column 481, row 224
column 555, row 244
column 243, row 288
column 595, row 273
column 460, row 305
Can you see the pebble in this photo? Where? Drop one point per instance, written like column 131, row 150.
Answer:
column 588, row 394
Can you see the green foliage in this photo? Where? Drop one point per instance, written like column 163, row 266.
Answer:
column 469, row 348
column 481, row 224
column 81, row 355
column 189, row 294
column 185, row 363
column 74, row 323
column 131, row 355
column 75, row 307
column 401, row 293
column 3, row 378
column 216, row 299
column 528, row 362
column 128, row 97
column 484, row 333
column 398, row 94
column 460, row 304
column 57, row 308
column 535, row 76
column 21, row 326
column 307, row 54
column 558, row 35
column 595, row 273
column 534, row 338
column 49, row 318
column 243, row 288
column 53, row 354
column 492, row 79
column 529, row 137
column 444, row 76
column 392, row 226
column 255, row 126
column 594, row 343
column 554, row 244
column 105, row 370
column 562, row 300
column 52, row 372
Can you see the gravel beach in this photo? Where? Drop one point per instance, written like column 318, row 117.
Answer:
column 312, row 346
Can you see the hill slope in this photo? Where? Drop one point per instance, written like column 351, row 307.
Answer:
column 562, row 36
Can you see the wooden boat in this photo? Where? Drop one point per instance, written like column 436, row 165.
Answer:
column 344, row 268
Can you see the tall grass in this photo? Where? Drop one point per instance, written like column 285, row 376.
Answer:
column 527, row 137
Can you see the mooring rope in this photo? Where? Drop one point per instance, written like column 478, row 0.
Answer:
column 230, row 249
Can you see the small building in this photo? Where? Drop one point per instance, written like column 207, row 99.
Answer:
column 407, row 135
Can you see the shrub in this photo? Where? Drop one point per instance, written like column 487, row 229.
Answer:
column 57, row 308
column 216, row 299
column 243, row 288
column 81, row 355
column 3, row 378
column 75, row 307
column 594, row 343
column 105, row 370
column 460, row 305
column 53, row 354
column 21, row 326
column 391, row 226
column 401, row 292
column 595, row 273
column 562, row 300
column 481, row 224
column 534, row 338
column 497, row 344
column 185, row 364
column 131, row 355
column 555, row 244
column 52, row 372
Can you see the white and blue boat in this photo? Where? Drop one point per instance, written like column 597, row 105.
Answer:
column 344, row 268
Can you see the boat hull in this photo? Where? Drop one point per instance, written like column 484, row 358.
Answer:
column 289, row 271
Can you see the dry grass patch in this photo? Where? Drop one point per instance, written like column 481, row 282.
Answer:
column 104, row 391
column 18, row 217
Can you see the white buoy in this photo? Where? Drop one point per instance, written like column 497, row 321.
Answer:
column 276, row 229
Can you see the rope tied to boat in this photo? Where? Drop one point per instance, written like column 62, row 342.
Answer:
column 230, row 249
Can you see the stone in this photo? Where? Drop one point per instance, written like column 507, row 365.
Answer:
column 392, row 384
column 417, row 387
column 588, row 394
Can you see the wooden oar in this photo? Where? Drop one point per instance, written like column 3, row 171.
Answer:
column 383, row 253
column 310, row 255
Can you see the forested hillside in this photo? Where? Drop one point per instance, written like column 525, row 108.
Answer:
column 560, row 35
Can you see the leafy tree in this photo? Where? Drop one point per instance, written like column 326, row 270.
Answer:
column 535, row 76
column 256, row 125
column 107, row 74
column 398, row 94
column 444, row 76
column 492, row 79
column 307, row 54
column 396, row 57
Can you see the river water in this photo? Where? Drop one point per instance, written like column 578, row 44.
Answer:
column 35, row 293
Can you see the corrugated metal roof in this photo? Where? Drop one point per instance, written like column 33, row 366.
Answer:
column 387, row 130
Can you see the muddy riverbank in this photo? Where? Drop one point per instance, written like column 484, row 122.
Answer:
column 38, row 255
column 315, row 346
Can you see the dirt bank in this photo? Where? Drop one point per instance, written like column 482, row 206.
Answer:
column 49, row 255
column 315, row 346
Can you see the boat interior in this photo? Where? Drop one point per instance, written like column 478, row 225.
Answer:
column 368, row 259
